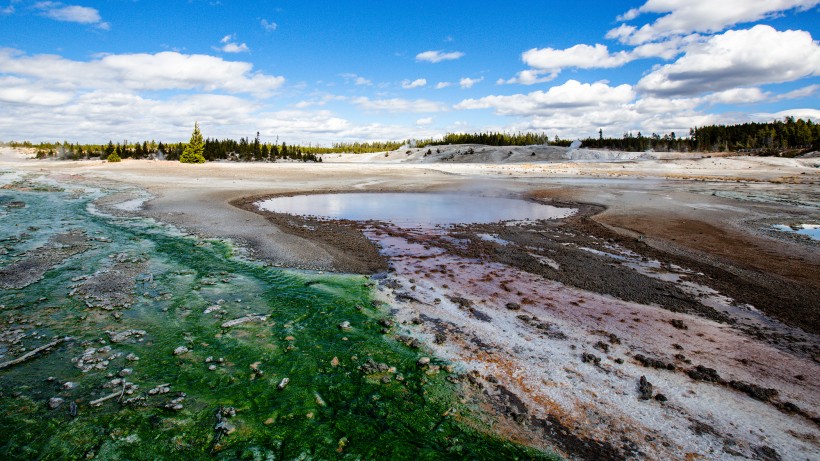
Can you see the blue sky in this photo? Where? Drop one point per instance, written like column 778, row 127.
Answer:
column 320, row 72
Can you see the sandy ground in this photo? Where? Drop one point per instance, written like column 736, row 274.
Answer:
column 545, row 324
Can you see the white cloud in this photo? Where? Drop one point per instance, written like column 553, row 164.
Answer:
column 438, row 56
column 529, row 77
column 737, row 58
column 798, row 93
column 229, row 45
column 7, row 10
column 140, row 71
column 572, row 94
column 467, row 82
column 681, row 17
column 269, row 26
column 23, row 91
column 417, row 83
column 399, row 105
column 737, row 96
column 629, row 15
column 424, row 121
column 579, row 56
column 441, row 85
column 71, row 13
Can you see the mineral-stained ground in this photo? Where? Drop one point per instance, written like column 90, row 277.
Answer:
column 665, row 319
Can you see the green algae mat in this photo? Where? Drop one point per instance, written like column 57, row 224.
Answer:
column 121, row 338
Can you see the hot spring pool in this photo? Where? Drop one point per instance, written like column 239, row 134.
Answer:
column 414, row 209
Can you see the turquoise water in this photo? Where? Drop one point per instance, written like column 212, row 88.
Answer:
column 329, row 409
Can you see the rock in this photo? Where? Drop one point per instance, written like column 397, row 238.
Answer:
column 601, row 346
column 423, row 362
column 175, row 404
column 228, row 412
column 283, row 383
column 69, row 385
column 513, row 306
column 334, row 362
column 644, row 388
column 132, row 357
column 55, row 402
column 124, row 335
column 181, row 350
column 701, row 373
column 210, row 309
column 679, row 324
column 245, row 319
column 125, row 372
column 370, row 367
column 161, row 389
column 653, row 363
column 586, row 357
column 754, row 391
column 211, row 367
column 344, row 325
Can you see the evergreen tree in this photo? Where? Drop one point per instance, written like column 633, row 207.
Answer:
column 113, row 157
column 195, row 148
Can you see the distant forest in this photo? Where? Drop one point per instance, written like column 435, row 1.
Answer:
column 215, row 149
column 787, row 137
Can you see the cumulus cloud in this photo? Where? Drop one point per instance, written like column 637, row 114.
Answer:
column 441, row 85
column 23, row 91
column 467, row 82
column 529, row 77
column 737, row 58
column 579, row 56
column 572, row 94
column 681, row 17
column 140, row 71
column 229, row 45
column 399, row 105
column 417, row 83
column 438, row 56
column 71, row 13
column 269, row 26
column 737, row 96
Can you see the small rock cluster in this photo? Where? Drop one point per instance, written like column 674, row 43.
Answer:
column 95, row 358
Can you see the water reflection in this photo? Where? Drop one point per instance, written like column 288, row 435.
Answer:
column 414, row 209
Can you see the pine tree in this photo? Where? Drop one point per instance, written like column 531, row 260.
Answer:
column 193, row 152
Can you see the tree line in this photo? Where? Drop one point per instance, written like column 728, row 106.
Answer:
column 785, row 137
column 788, row 137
